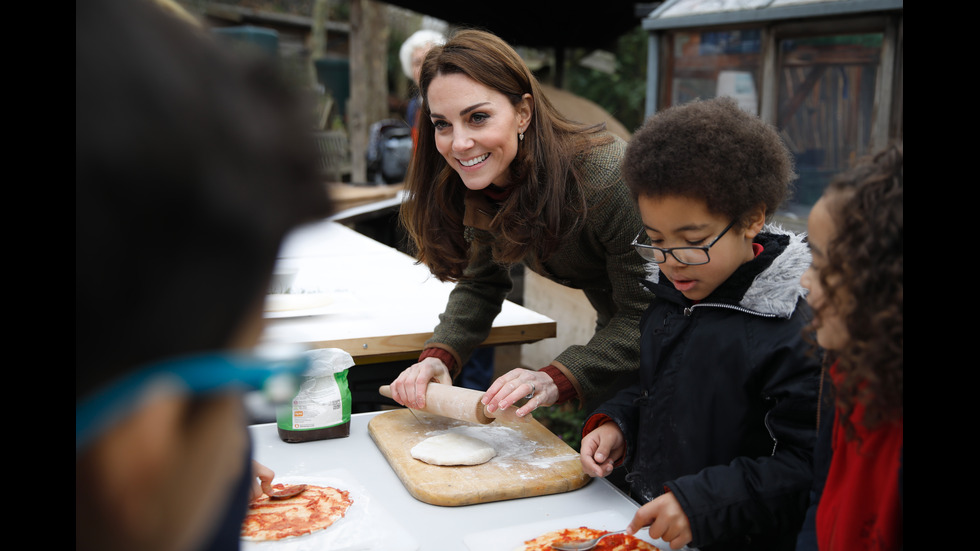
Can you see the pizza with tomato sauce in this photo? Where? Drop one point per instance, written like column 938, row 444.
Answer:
column 618, row 542
column 317, row 508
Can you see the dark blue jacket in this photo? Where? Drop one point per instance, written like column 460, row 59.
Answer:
column 822, row 454
column 724, row 414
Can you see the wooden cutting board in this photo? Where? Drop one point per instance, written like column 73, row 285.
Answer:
column 530, row 460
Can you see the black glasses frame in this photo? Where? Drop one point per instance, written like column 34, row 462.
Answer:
column 649, row 252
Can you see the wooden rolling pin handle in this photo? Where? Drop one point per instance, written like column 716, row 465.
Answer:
column 451, row 401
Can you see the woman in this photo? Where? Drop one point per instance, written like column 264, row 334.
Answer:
column 499, row 177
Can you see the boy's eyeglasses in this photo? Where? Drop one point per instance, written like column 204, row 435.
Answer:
column 692, row 256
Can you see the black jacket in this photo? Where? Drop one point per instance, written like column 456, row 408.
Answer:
column 724, row 414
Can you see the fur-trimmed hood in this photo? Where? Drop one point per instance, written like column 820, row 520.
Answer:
column 773, row 291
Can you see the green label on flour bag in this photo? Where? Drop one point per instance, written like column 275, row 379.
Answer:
column 321, row 402
column 321, row 408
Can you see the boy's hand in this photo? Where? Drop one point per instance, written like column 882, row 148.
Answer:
column 601, row 449
column 666, row 519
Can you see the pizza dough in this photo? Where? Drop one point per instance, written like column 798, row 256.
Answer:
column 453, row 448
column 317, row 508
column 618, row 542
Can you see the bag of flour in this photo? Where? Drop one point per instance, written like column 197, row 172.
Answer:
column 322, row 406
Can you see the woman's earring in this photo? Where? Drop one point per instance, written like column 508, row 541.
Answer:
column 520, row 136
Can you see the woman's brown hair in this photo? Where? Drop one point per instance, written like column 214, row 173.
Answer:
column 546, row 201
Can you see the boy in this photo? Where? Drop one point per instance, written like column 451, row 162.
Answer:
column 717, row 435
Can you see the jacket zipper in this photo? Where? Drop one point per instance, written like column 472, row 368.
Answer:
column 765, row 421
column 688, row 311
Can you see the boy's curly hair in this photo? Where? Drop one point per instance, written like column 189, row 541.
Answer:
column 865, row 260
column 714, row 151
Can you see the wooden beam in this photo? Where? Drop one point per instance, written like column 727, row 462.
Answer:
column 318, row 35
column 368, row 78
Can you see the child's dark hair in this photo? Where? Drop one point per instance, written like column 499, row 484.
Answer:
column 865, row 262
column 713, row 151
column 191, row 166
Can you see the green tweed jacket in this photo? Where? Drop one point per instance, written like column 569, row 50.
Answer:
column 599, row 260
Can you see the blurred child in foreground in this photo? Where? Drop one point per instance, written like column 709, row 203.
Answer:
column 856, row 288
column 190, row 168
column 717, row 436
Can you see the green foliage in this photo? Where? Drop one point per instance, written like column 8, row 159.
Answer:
column 622, row 93
column 565, row 421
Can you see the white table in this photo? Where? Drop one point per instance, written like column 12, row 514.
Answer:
column 383, row 306
column 390, row 519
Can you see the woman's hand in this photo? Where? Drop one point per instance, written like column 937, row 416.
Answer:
column 666, row 519
column 261, row 480
column 409, row 388
column 601, row 449
column 537, row 387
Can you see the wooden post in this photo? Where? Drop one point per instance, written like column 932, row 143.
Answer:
column 318, row 38
column 368, row 79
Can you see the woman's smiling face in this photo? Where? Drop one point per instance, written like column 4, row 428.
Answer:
column 476, row 128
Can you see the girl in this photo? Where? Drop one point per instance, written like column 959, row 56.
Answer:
column 856, row 289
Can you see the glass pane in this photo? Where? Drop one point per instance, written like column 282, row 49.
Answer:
column 651, row 254
column 717, row 63
column 691, row 256
column 825, row 106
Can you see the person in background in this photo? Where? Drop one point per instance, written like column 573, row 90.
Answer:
column 717, row 435
column 190, row 168
column 856, row 288
column 411, row 55
column 499, row 177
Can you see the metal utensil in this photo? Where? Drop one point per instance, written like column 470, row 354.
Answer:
column 285, row 492
column 583, row 545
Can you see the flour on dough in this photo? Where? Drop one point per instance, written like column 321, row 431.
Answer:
column 452, row 448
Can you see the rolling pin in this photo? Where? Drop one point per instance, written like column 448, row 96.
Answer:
column 458, row 403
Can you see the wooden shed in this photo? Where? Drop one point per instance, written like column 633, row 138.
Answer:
column 827, row 73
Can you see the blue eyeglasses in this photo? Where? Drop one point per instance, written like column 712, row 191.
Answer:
column 692, row 256
column 277, row 373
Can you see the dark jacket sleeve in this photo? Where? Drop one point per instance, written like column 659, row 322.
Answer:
column 473, row 304
column 768, row 494
column 822, row 454
column 603, row 263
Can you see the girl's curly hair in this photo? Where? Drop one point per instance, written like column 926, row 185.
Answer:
column 865, row 260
